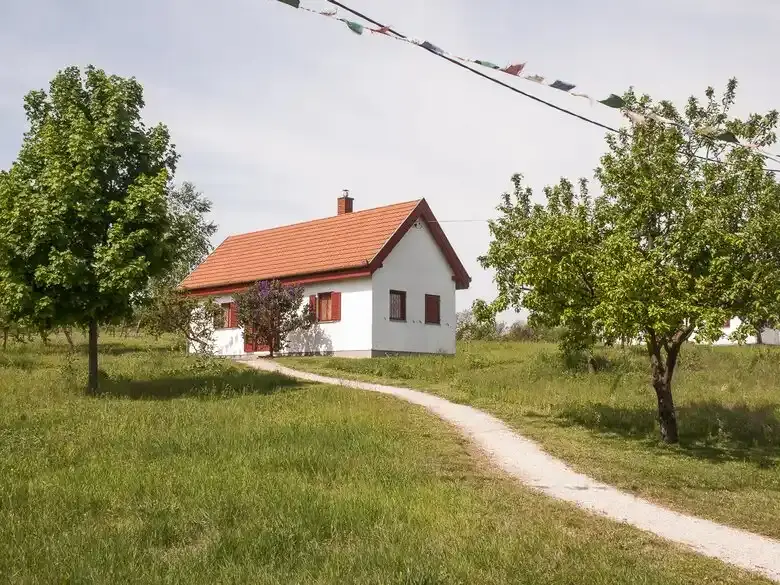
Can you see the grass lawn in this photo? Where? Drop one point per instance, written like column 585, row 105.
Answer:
column 726, row 467
column 198, row 471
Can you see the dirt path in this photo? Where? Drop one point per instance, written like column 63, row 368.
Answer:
column 526, row 461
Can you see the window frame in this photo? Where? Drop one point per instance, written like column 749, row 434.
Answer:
column 402, row 295
column 320, row 298
column 438, row 309
column 225, row 323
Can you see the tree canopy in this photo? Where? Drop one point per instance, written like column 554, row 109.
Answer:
column 684, row 234
column 84, row 215
column 269, row 311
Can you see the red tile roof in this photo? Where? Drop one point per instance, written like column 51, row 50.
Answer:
column 351, row 242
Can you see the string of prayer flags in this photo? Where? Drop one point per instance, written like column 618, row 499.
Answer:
column 487, row 64
column 562, row 85
column 431, row 47
column 534, row 78
column 613, row 101
column 516, row 69
column 355, row 27
column 382, row 30
column 583, row 95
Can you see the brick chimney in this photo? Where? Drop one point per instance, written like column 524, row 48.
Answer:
column 345, row 203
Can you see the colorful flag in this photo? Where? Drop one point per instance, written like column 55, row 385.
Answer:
column 515, row 69
column 635, row 117
column 355, row 27
column 726, row 136
column 534, row 78
column 661, row 119
column 562, row 85
column 382, row 30
column 613, row 101
column 584, row 95
column 431, row 47
column 293, row 3
column 487, row 64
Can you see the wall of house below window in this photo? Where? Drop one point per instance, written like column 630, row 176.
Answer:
column 417, row 266
column 350, row 335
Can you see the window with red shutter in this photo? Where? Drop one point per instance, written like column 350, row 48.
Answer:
column 335, row 306
column 433, row 309
column 313, row 305
column 232, row 316
column 221, row 320
column 324, row 307
column 397, row 305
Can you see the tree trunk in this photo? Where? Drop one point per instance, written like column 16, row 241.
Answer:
column 667, row 416
column 66, row 331
column 93, row 357
column 138, row 327
column 5, row 338
column 661, row 378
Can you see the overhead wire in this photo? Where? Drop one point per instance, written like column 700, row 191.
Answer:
column 497, row 81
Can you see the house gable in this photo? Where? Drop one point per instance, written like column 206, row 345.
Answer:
column 350, row 245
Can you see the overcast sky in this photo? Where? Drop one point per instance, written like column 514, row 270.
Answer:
column 275, row 110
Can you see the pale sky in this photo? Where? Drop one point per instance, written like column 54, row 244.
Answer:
column 275, row 111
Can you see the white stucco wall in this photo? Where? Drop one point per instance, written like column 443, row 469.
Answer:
column 352, row 334
column 768, row 336
column 417, row 266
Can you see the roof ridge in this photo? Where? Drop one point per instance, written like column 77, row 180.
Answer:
column 320, row 219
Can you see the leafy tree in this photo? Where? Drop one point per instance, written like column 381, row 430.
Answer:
column 160, row 307
column 173, row 311
column 269, row 311
column 192, row 230
column 469, row 327
column 84, row 218
column 685, row 234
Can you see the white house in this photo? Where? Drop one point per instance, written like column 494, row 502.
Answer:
column 768, row 336
column 382, row 281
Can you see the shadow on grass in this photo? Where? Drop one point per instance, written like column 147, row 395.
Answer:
column 708, row 430
column 226, row 384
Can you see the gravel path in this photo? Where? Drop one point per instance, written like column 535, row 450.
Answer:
column 525, row 460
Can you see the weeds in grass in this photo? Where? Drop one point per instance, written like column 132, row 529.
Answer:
column 269, row 482
column 726, row 467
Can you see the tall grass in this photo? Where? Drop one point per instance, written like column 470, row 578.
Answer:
column 726, row 467
column 199, row 471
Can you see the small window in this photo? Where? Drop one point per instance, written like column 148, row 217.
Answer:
column 432, row 309
column 324, row 307
column 397, row 305
column 222, row 319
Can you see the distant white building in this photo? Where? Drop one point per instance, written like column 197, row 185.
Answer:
column 380, row 281
column 768, row 336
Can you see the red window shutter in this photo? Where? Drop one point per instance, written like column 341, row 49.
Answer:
column 432, row 309
column 335, row 307
column 232, row 317
column 313, row 305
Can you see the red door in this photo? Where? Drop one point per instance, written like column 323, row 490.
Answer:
column 250, row 347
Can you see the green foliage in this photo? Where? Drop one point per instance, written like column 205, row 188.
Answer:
column 84, row 212
column 84, row 219
column 685, row 234
column 520, row 331
column 173, row 311
column 269, row 311
column 190, row 230
column 470, row 324
column 252, row 478
column 726, row 466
